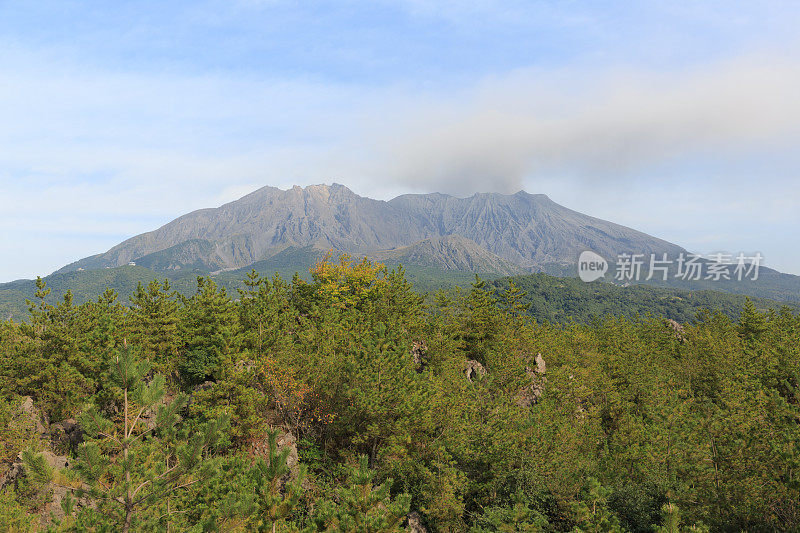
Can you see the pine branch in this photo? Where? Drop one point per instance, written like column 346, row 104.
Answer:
column 94, row 414
column 142, row 434
column 158, row 478
column 112, row 437
column 166, row 491
column 170, row 513
column 135, row 421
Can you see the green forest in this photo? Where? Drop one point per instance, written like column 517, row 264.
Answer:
column 348, row 402
column 548, row 298
column 552, row 299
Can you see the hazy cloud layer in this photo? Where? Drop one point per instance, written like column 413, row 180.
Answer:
column 611, row 125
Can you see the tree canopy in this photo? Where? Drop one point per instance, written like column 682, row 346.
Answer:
column 348, row 402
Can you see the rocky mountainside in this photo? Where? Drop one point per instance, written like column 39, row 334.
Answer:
column 507, row 231
column 530, row 230
column 451, row 252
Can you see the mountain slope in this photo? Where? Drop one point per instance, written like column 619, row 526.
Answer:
column 451, row 252
column 530, row 231
column 527, row 229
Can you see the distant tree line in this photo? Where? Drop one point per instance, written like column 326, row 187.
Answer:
column 565, row 300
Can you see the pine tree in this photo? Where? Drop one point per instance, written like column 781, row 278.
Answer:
column 481, row 321
column 671, row 519
column 39, row 308
column 154, row 319
column 132, row 463
column 592, row 513
column 361, row 507
column 752, row 324
column 671, row 522
column 247, row 494
column 276, row 496
column 264, row 313
column 210, row 328
column 106, row 324
column 511, row 301
column 517, row 519
column 13, row 516
column 54, row 369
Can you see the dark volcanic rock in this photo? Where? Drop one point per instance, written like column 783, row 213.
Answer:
column 66, row 435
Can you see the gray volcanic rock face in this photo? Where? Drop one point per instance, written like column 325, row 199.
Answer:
column 527, row 229
column 452, row 252
column 507, row 231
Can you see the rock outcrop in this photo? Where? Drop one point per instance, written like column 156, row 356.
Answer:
column 15, row 471
column 531, row 394
column 285, row 439
column 31, row 412
column 678, row 328
column 66, row 435
column 541, row 367
column 473, row 369
column 55, row 492
column 451, row 252
column 414, row 523
column 419, row 350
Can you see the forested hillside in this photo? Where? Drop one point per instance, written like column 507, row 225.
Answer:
column 346, row 403
column 550, row 298
column 565, row 300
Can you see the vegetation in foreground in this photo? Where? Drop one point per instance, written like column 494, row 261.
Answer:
column 344, row 403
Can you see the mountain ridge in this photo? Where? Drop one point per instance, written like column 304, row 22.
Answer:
column 525, row 230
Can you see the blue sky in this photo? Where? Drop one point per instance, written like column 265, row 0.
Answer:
column 676, row 118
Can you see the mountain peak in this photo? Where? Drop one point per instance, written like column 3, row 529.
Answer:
column 321, row 189
column 522, row 229
column 525, row 194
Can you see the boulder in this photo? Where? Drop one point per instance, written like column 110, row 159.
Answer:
column 678, row 328
column 206, row 385
column 52, row 509
column 419, row 349
column 11, row 476
column 66, row 435
column 30, row 411
column 531, row 394
column 286, row 439
column 414, row 523
column 541, row 367
column 473, row 369
column 56, row 462
column 260, row 448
